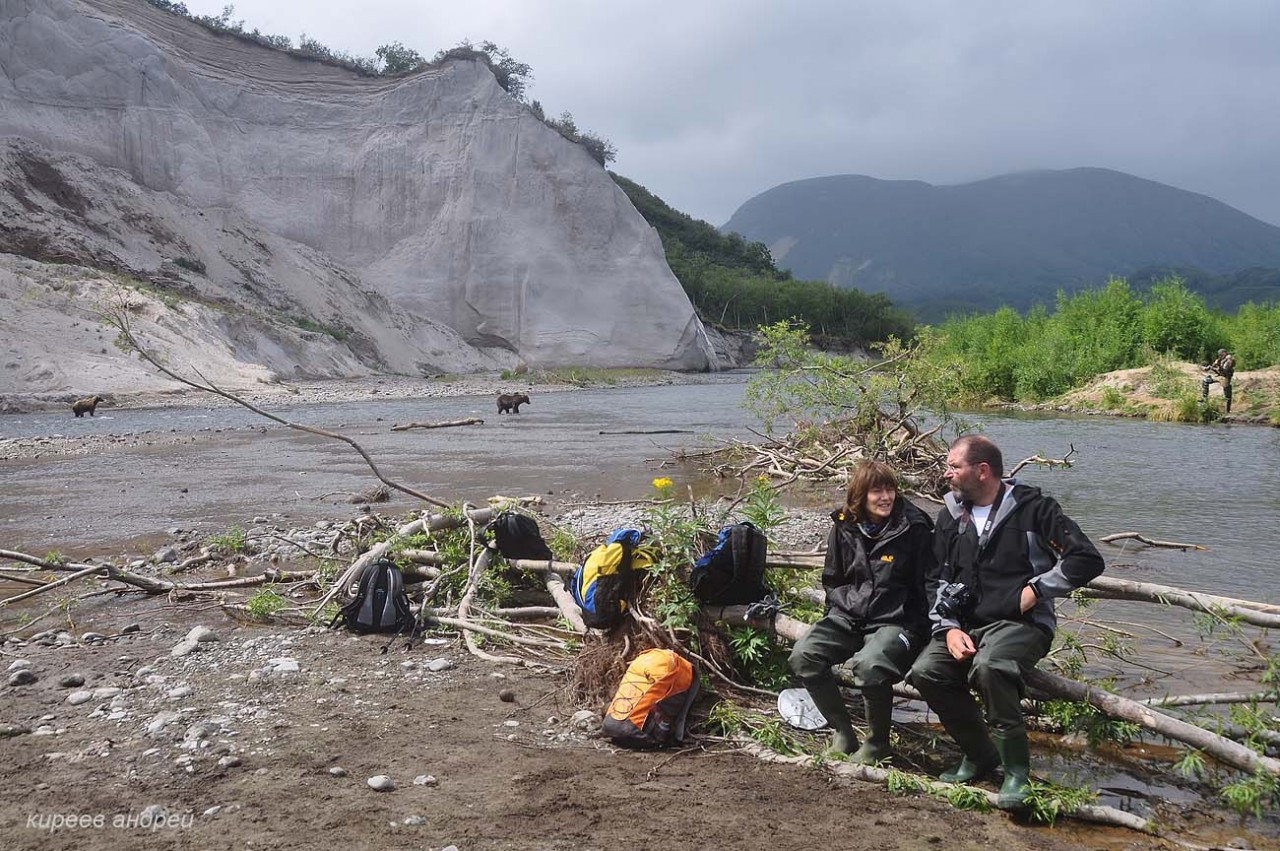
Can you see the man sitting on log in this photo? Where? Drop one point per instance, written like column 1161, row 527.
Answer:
column 1004, row 553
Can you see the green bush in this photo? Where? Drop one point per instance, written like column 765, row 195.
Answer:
column 1044, row 354
column 1177, row 321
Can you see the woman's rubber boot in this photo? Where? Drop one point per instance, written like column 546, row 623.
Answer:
column 1015, row 755
column 879, row 703
column 826, row 696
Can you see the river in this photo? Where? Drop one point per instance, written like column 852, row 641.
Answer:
column 1212, row 485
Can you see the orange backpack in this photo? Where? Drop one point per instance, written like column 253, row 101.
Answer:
column 652, row 703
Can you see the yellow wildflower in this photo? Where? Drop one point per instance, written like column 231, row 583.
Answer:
column 662, row 483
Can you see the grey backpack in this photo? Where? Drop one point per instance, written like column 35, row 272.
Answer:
column 380, row 603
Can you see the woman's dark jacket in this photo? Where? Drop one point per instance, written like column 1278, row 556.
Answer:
column 881, row 581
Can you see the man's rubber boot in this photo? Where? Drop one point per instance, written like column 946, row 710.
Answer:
column 1015, row 755
column 965, row 724
column 826, row 696
column 879, row 704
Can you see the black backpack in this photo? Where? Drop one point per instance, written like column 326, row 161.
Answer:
column 732, row 572
column 380, row 603
column 517, row 536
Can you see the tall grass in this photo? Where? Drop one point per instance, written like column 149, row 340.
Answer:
column 1044, row 354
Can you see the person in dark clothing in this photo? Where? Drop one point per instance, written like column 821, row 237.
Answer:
column 1004, row 552
column 1221, row 370
column 878, row 553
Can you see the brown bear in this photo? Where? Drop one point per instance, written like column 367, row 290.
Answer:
column 86, row 405
column 509, row 403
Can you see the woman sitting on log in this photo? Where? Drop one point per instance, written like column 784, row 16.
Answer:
column 878, row 552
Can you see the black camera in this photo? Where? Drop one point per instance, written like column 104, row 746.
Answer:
column 955, row 601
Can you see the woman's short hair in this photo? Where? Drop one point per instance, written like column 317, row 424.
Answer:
column 868, row 475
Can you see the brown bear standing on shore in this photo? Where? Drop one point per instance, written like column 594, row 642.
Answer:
column 86, row 405
column 509, row 403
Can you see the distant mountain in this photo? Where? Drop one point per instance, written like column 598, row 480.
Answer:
column 1014, row 239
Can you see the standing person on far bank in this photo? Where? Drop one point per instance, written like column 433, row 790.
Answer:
column 878, row 553
column 1004, row 553
column 1223, row 367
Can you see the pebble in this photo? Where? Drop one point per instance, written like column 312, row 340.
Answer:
column 201, row 730
column 426, row 780
column 338, row 771
column 381, row 783
column 155, row 812
column 229, row 762
column 18, row 664
column 106, row 692
column 584, row 719
column 183, row 648
column 22, row 677
column 180, row 692
column 212, row 811
column 438, row 665
column 71, row 681
column 78, row 697
column 162, row 720
column 202, row 634
column 507, row 696
column 131, row 629
column 92, row 637
column 415, row 820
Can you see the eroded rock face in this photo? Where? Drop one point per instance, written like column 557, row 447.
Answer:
column 297, row 186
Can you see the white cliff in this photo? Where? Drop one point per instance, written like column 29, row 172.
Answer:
column 429, row 222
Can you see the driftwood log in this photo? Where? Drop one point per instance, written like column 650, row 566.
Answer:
column 1053, row 686
column 446, row 424
column 1089, row 812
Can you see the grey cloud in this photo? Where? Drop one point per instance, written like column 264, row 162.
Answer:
column 711, row 102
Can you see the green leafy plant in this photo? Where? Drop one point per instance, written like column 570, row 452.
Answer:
column 759, row 656
column 1073, row 715
column 762, row 506
column 563, row 544
column 265, row 603
column 904, row 783
column 967, row 798
column 1111, row 398
column 676, row 537
column 1252, row 794
column 1047, row 802
column 729, row 719
column 1191, row 765
column 232, row 541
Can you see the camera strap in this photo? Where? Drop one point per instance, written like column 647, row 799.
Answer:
column 984, row 535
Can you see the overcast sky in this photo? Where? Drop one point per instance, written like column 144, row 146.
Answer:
column 710, row 102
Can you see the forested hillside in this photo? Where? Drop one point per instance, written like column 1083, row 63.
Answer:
column 734, row 283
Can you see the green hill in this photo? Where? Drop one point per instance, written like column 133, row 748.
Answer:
column 734, row 283
column 1014, row 239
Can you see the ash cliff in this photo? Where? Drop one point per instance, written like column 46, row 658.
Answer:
column 303, row 220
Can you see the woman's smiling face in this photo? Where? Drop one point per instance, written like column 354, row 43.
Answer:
column 880, row 503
